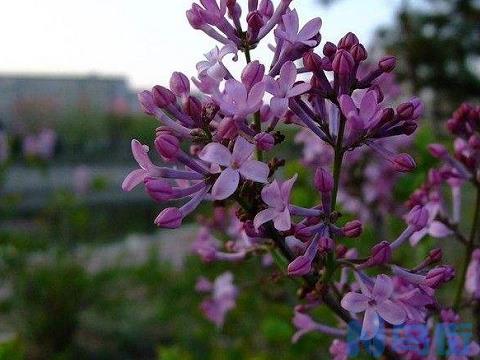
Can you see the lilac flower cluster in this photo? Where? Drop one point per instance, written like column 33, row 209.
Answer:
column 218, row 145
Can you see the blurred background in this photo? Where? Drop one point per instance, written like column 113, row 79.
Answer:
column 84, row 272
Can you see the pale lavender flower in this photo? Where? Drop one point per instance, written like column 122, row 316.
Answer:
column 235, row 101
column 291, row 33
column 376, row 304
column 339, row 350
column 222, row 300
column 236, row 163
column 283, row 88
column 277, row 197
column 214, row 66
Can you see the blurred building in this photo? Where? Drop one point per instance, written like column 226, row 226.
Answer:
column 24, row 95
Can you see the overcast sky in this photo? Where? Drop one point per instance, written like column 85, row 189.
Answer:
column 144, row 40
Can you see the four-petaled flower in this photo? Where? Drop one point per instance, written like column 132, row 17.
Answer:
column 290, row 31
column 214, row 66
column 277, row 197
column 235, row 101
column 147, row 168
column 235, row 163
column 376, row 304
column 284, row 88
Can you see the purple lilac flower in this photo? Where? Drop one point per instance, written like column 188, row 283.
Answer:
column 235, row 164
column 277, row 197
column 223, row 299
column 472, row 285
column 376, row 303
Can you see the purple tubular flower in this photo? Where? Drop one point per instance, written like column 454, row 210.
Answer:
column 381, row 254
column 167, row 146
column 439, row 275
column 302, row 265
column 417, row 220
column 235, row 163
column 284, row 88
column 252, row 74
column 277, row 197
column 291, row 34
column 323, row 180
column 275, row 18
column 305, row 324
column 352, row 229
column 162, row 97
column 179, row 84
column 171, row 218
column 236, row 101
column 376, row 303
column 387, row 63
column 264, row 141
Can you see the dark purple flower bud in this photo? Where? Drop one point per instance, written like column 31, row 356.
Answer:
column 474, row 141
column 250, row 229
column 358, row 52
column 234, row 10
column 326, row 244
column 348, row 41
column 302, row 232
column 329, row 49
column 312, row 62
column 409, row 127
column 387, row 63
column 405, row 111
column 418, row 108
column 167, row 146
column 255, row 23
column 343, row 62
column 418, row 217
column 158, row 189
column 437, row 150
column 439, row 275
column 266, row 8
column 169, row 218
column 435, row 256
column 193, row 108
column 352, row 229
column 381, row 254
column 252, row 74
column 323, row 180
column 162, row 96
column 327, row 64
column 146, row 101
column 387, row 115
column 179, row 84
column 404, row 163
column 195, row 17
column 340, row 251
column 264, row 141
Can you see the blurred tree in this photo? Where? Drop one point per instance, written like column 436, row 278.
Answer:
column 437, row 43
column 438, row 48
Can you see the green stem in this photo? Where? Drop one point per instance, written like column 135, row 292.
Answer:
column 337, row 162
column 468, row 251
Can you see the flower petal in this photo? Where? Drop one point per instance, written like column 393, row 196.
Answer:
column 279, row 106
column 263, row 217
column 288, row 75
column 255, row 170
column 216, row 153
column 355, row 302
column 371, row 324
column 226, row 184
column 383, row 288
column 286, row 189
column 368, row 105
column 255, row 96
column 271, row 195
column 140, row 153
column 242, row 150
column 438, row 230
column 282, row 221
column 133, row 179
column 310, row 29
column 390, row 312
column 299, row 89
column 347, row 105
